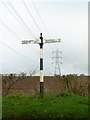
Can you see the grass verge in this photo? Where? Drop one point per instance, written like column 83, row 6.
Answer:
column 50, row 106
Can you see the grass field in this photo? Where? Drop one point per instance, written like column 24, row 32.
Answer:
column 50, row 106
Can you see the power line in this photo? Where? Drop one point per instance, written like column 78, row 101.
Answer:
column 10, row 4
column 45, row 69
column 40, row 17
column 15, row 34
column 9, row 29
column 16, row 19
column 15, row 50
column 21, row 55
column 19, row 17
column 42, row 22
column 35, row 70
column 12, row 13
column 31, row 16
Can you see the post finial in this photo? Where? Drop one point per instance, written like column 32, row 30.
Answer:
column 40, row 34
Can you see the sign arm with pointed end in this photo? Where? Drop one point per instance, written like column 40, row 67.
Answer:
column 52, row 40
column 41, row 42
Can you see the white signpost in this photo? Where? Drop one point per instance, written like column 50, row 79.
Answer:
column 40, row 41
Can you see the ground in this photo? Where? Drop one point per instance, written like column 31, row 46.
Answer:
column 50, row 106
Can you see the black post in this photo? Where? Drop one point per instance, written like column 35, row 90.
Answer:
column 41, row 66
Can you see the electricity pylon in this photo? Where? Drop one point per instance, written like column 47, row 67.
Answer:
column 57, row 63
column 41, row 42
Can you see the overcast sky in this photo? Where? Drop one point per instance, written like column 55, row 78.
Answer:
column 55, row 19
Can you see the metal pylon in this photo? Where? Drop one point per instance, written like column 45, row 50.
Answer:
column 57, row 63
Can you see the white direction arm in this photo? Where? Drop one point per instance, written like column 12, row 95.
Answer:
column 31, row 41
column 52, row 40
column 38, row 41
